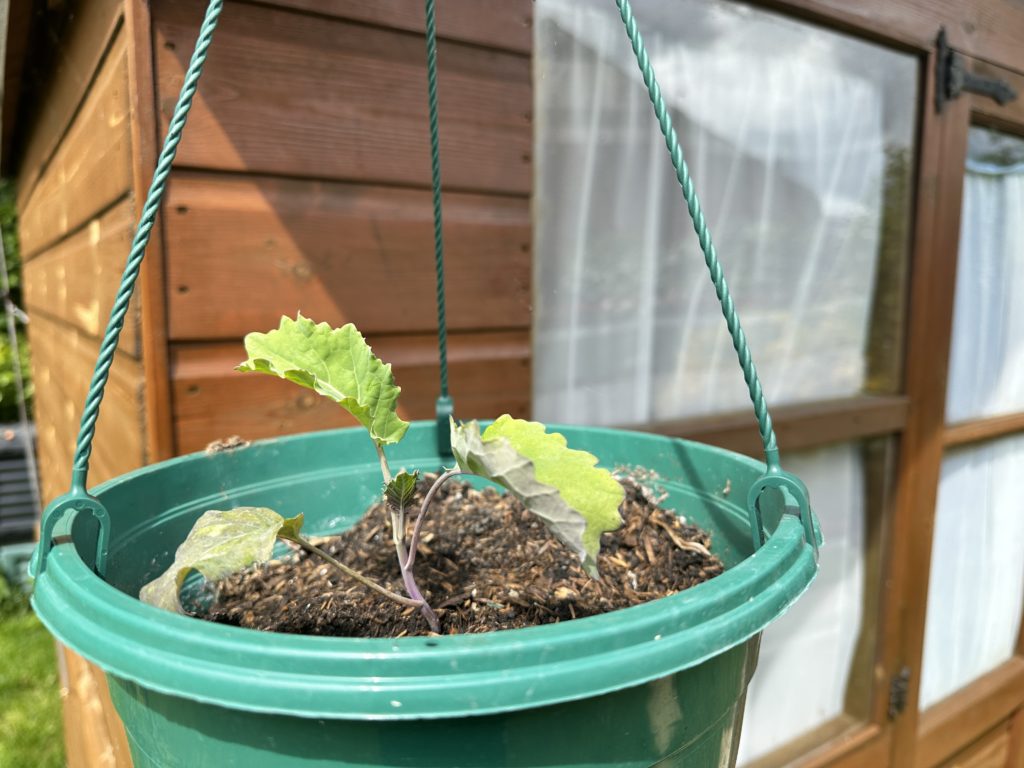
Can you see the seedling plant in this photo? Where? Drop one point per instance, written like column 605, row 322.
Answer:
column 562, row 486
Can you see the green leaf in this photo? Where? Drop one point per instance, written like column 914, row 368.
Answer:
column 336, row 363
column 401, row 489
column 562, row 486
column 219, row 544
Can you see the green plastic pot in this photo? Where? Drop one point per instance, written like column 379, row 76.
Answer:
column 658, row 684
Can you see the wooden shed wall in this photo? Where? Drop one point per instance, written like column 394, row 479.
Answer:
column 77, row 203
column 302, row 184
column 76, row 207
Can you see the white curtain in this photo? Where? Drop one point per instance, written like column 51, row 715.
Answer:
column 789, row 132
column 976, row 587
column 805, row 656
column 986, row 371
column 784, row 131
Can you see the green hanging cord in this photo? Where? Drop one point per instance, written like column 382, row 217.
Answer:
column 78, row 498
column 774, row 477
column 443, row 409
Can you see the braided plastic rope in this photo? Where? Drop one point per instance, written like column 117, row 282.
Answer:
column 101, row 373
column 732, row 319
column 444, row 402
column 77, row 500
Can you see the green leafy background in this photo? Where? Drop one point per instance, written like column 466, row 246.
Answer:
column 8, row 389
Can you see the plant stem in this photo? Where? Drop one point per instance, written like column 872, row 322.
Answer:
column 385, row 470
column 398, row 536
column 411, row 587
column 314, row 549
column 414, row 543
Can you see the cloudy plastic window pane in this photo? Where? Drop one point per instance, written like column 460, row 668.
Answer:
column 806, row 656
column 800, row 144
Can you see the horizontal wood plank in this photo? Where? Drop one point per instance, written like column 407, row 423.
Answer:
column 802, row 425
column 983, row 429
column 81, row 50
column 505, row 24
column 956, row 722
column 990, row 751
column 92, row 167
column 489, row 375
column 76, row 280
column 62, row 365
column 300, row 95
column 242, row 251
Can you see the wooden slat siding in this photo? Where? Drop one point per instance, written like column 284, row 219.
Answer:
column 80, row 53
column 962, row 718
column 92, row 738
column 503, row 24
column 92, row 167
column 361, row 94
column 990, row 751
column 489, row 375
column 242, row 251
column 77, row 279
column 990, row 29
column 159, row 419
column 62, row 361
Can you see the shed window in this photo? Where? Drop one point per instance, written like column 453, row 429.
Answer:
column 799, row 141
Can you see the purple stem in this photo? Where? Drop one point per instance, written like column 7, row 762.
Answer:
column 414, row 543
column 411, row 587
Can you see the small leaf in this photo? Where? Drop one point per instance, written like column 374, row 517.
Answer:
column 336, row 363
column 576, row 500
column 220, row 543
column 401, row 489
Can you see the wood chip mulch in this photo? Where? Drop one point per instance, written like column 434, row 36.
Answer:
column 484, row 563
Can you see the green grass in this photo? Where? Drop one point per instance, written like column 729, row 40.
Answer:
column 30, row 711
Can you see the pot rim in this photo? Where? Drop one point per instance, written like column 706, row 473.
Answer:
column 419, row 677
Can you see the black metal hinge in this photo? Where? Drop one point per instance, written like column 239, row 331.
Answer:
column 952, row 78
column 898, row 687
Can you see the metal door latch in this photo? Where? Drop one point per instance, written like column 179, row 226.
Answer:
column 898, row 691
column 952, row 78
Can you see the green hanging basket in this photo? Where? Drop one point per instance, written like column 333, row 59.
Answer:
column 661, row 681
column 657, row 684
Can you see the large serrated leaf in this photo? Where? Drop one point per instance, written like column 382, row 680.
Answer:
column 591, row 491
column 220, row 543
column 576, row 500
column 336, row 363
